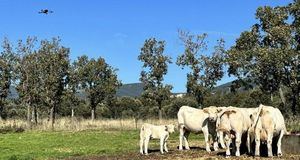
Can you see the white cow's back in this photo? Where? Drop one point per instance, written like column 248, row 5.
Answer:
column 191, row 118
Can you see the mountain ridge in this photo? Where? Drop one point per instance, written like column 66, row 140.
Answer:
column 129, row 89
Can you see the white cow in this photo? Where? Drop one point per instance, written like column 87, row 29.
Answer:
column 196, row 121
column 149, row 131
column 268, row 122
column 246, row 111
column 233, row 122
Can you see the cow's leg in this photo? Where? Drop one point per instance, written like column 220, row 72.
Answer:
column 279, row 152
column 185, row 138
column 269, row 144
column 257, row 144
column 248, row 143
column 165, row 143
column 227, row 143
column 215, row 140
column 221, row 139
column 238, row 138
column 146, row 142
column 141, row 145
column 181, row 135
column 206, row 137
column 162, row 140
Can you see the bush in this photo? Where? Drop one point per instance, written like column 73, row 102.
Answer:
column 11, row 129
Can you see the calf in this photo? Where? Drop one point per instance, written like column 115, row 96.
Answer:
column 149, row 131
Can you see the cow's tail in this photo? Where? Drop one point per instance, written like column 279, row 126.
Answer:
column 260, row 108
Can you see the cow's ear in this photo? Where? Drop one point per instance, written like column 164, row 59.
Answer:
column 219, row 109
column 205, row 110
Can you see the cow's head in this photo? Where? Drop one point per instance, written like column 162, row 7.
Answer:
column 212, row 112
column 170, row 128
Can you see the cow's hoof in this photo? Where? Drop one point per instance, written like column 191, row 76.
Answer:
column 227, row 156
column 279, row 154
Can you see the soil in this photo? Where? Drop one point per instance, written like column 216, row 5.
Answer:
column 194, row 153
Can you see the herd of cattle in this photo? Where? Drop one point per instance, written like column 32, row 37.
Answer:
column 224, row 125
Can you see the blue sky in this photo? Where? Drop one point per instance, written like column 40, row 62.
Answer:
column 117, row 29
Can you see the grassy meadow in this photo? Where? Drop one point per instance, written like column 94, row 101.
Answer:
column 100, row 139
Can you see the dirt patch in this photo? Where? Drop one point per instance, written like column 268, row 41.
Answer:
column 194, row 153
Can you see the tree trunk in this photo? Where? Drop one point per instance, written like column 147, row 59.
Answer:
column 271, row 96
column 282, row 96
column 135, row 121
column 52, row 117
column 160, row 115
column 294, row 104
column 28, row 115
column 93, row 113
column 72, row 114
column 34, row 115
column 1, row 107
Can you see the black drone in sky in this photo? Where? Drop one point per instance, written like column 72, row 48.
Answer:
column 45, row 11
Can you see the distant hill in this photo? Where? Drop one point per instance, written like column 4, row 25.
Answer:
column 130, row 90
column 223, row 87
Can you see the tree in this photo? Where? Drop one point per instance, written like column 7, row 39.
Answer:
column 129, row 108
column 28, row 75
column 72, row 87
column 155, row 65
column 268, row 54
column 205, row 70
column 54, row 63
column 7, row 71
column 98, row 79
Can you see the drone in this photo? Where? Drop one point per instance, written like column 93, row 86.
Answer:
column 45, row 11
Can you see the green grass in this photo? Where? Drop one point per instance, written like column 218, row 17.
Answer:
column 43, row 145
column 59, row 145
column 95, row 144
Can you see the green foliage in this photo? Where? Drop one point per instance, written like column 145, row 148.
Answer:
column 98, row 79
column 155, row 65
column 129, row 107
column 173, row 107
column 7, row 71
column 205, row 70
column 268, row 54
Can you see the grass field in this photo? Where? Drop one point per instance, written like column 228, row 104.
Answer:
column 97, row 144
